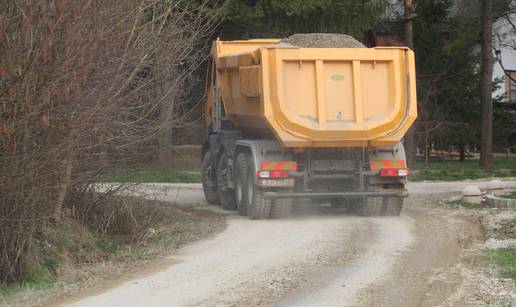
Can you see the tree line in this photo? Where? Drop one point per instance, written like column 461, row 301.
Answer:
column 453, row 44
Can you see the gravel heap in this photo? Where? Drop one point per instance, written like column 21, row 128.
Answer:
column 492, row 243
column 323, row 40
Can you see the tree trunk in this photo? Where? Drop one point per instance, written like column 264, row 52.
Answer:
column 410, row 142
column 427, row 149
column 486, row 77
column 427, row 145
column 165, row 122
column 166, row 135
column 67, row 166
column 462, row 152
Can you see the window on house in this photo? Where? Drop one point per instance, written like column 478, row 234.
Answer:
column 513, row 96
column 510, row 87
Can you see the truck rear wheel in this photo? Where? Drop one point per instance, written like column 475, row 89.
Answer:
column 209, row 179
column 241, row 177
column 341, row 203
column 393, row 206
column 369, row 206
column 281, row 208
column 226, row 195
column 384, row 206
column 258, row 207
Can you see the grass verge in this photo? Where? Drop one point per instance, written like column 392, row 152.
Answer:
column 154, row 174
column 504, row 260
column 511, row 195
column 459, row 203
column 452, row 170
column 134, row 232
column 446, row 170
column 37, row 276
column 459, row 174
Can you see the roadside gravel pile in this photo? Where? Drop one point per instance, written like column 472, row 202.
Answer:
column 496, row 225
column 323, row 40
column 492, row 288
column 488, row 290
column 492, row 243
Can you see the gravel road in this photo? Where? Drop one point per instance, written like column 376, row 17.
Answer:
column 319, row 257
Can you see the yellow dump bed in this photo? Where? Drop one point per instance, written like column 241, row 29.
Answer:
column 317, row 97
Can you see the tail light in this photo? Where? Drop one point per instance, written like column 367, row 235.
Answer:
column 272, row 174
column 395, row 172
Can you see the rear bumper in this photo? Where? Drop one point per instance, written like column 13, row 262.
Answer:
column 298, row 195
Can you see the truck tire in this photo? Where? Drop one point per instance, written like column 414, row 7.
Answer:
column 340, row 203
column 258, row 207
column 226, row 195
column 352, row 205
column 384, row 206
column 209, row 180
column 393, row 206
column 241, row 177
column 369, row 206
column 337, row 203
column 281, row 208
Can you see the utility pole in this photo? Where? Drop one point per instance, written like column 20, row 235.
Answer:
column 410, row 143
column 486, row 79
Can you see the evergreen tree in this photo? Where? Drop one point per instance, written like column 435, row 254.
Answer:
column 448, row 77
column 276, row 18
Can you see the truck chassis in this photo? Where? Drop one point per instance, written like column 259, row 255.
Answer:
column 262, row 179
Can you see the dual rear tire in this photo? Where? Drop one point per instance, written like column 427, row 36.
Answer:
column 209, row 179
column 250, row 198
column 225, row 193
column 371, row 206
column 381, row 206
column 241, row 188
column 214, row 182
column 247, row 197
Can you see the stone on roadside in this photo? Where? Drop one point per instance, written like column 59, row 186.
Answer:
column 472, row 194
column 495, row 186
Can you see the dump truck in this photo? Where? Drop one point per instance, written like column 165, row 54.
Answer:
column 284, row 123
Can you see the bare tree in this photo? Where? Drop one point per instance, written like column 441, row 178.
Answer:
column 83, row 85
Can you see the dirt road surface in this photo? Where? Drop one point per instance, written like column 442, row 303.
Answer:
column 318, row 257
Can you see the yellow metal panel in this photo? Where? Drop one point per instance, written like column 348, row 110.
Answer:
column 357, row 93
column 339, row 89
column 319, row 86
column 228, row 48
column 374, row 76
column 350, row 130
column 312, row 97
column 250, row 81
column 301, row 87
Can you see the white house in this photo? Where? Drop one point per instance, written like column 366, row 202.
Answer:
column 505, row 52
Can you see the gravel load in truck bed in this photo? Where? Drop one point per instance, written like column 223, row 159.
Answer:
column 323, row 40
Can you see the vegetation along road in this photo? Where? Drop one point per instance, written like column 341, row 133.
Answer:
column 321, row 257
